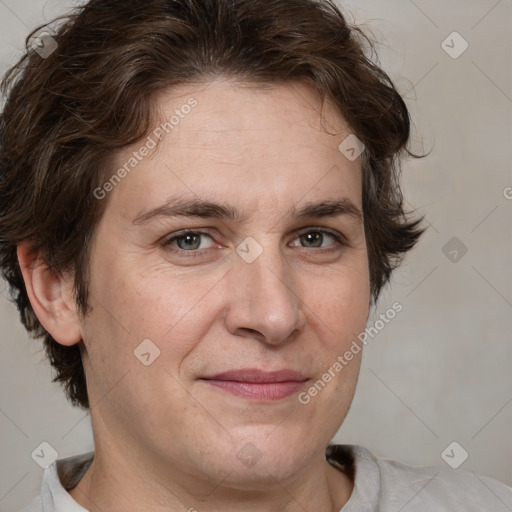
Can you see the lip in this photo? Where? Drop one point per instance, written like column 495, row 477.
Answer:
column 255, row 384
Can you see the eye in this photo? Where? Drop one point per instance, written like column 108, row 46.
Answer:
column 189, row 241
column 316, row 238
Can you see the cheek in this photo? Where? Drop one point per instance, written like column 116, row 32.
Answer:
column 341, row 309
column 172, row 310
column 343, row 301
column 142, row 327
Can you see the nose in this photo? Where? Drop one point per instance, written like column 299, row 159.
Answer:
column 264, row 302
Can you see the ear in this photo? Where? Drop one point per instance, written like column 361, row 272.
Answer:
column 51, row 296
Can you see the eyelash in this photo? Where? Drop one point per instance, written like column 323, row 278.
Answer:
column 340, row 241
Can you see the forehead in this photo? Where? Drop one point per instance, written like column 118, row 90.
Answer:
column 256, row 145
column 231, row 113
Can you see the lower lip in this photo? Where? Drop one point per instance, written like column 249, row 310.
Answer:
column 258, row 390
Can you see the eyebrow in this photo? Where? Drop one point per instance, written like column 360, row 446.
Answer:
column 178, row 207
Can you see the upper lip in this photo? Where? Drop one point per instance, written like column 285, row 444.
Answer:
column 256, row 375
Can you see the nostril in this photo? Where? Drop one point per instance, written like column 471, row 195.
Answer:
column 252, row 332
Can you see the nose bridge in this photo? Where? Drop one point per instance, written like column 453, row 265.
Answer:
column 263, row 298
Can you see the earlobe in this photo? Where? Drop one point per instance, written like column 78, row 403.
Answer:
column 51, row 297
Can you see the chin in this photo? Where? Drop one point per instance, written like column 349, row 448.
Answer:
column 261, row 456
column 266, row 474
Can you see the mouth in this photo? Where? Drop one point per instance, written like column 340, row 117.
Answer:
column 255, row 384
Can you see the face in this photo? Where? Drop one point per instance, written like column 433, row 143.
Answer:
column 228, row 273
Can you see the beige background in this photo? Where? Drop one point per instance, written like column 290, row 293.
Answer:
column 440, row 371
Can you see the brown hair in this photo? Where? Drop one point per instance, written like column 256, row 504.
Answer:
column 67, row 111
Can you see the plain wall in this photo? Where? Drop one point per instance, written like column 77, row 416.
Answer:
column 440, row 370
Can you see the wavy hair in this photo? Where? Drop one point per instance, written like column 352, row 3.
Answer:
column 68, row 111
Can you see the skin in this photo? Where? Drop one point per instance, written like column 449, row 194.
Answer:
column 166, row 440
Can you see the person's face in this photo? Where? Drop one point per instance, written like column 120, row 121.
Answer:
column 291, row 297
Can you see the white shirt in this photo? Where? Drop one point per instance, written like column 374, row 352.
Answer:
column 380, row 485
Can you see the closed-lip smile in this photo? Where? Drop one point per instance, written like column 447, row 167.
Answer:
column 256, row 384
